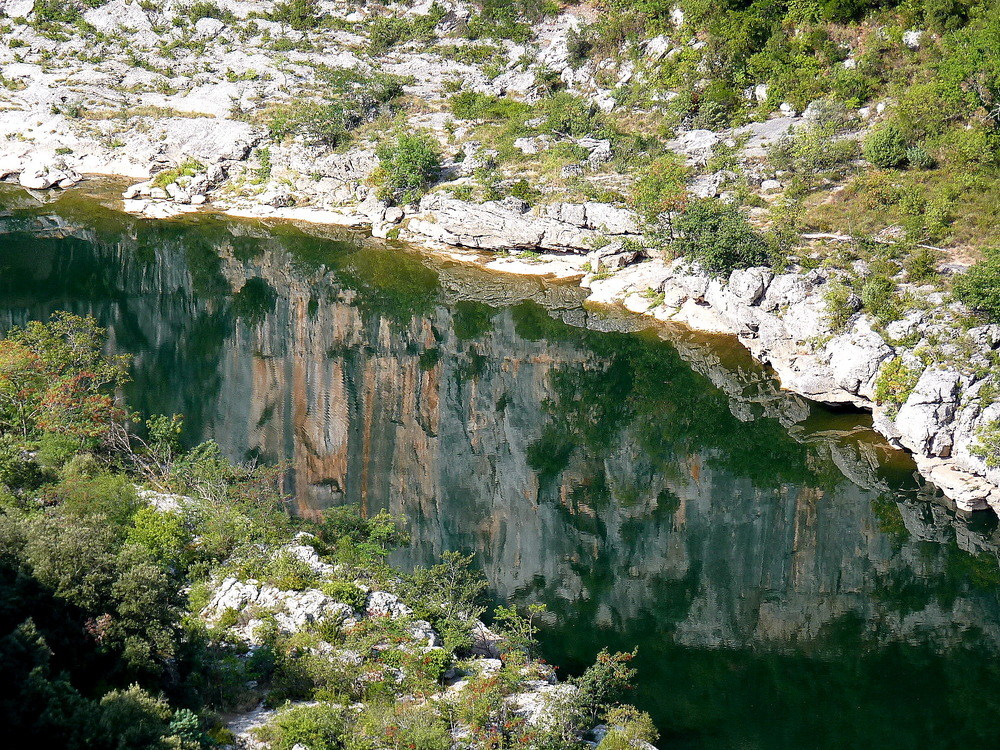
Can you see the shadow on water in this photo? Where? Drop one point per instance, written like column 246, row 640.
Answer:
column 788, row 579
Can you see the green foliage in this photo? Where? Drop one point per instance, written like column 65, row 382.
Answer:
column 885, row 147
column 918, row 158
column 921, row 265
column 301, row 15
column 319, row 727
column 289, row 572
column 896, row 380
column 189, row 168
column 207, row 9
column 350, row 100
column 55, row 378
column 507, row 19
column 718, row 236
column 979, row 287
column 518, row 631
column 604, row 682
column 987, row 445
column 132, row 719
column 816, row 149
column 471, row 105
column 660, row 193
column 628, row 728
column 400, row 726
column 450, row 596
column 385, row 32
column 346, row 592
column 48, row 12
column 879, row 297
column 839, row 308
column 357, row 541
column 409, row 165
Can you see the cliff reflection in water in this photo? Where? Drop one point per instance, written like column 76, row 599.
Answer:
column 651, row 487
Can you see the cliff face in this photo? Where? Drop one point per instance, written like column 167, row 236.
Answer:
column 620, row 477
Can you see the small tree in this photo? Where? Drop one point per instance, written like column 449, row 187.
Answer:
column 603, row 682
column 450, row 594
column 979, row 287
column 660, row 193
column 885, row 147
column 408, row 166
column 719, row 237
column 518, row 631
column 54, row 377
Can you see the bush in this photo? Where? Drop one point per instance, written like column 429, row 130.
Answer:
column 471, row 105
column 629, row 728
column 346, row 592
column 878, row 295
column 718, row 236
column 301, row 15
column 604, row 681
column 895, row 382
column 885, row 147
column 987, row 446
column 319, row 727
column 841, row 304
column 408, row 166
column 979, row 287
column 918, row 158
column 661, row 192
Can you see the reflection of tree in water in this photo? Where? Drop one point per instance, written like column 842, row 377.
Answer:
column 640, row 385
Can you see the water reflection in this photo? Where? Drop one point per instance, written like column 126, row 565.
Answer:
column 789, row 582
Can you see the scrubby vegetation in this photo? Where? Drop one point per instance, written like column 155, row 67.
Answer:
column 408, row 166
column 101, row 636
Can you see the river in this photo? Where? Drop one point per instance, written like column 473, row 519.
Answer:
column 789, row 581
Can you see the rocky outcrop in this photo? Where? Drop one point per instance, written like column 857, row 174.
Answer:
column 783, row 320
column 513, row 224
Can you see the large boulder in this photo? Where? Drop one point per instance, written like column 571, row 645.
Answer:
column 500, row 225
column 926, row 420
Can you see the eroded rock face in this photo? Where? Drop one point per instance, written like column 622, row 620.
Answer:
column 292, row 610
column 502, row 225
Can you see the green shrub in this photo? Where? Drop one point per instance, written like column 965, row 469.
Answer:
column 885, row 147
column 878, row 295
column 895, row 382
column 719, row 237
column 208, row 9
column 629, row 728
column 408, row 165
column 522, row 189
column 289, row 572
column 979, row 287
column 385, row 32
column 921, row 265
column 578, row 47
column 604, row 682
column 189, row 168
column 320, row 124
column 319, row 727
column 346, row 592
column 471, row 105
column 133, row 718
column 987, row 446
column 411, row 726
column 660, row 193
column 839, row 308
column 918, row 158
column 301, row 15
